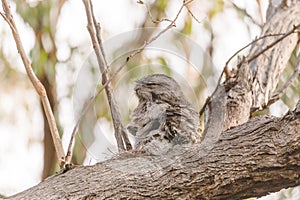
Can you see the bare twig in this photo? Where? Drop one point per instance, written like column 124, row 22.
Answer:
column 282, row 90
column 40, row 89
column 244, row 11
column 128, row 58
column 94, row 29
column 192, row 14
column 97, row 27
column 215, row 90
column 172, row 24
column 155, row 21
column 116, row 116
column 97, row 43
column 86, row 109
column 294, row 30
column 249, row 44
column 284, row 35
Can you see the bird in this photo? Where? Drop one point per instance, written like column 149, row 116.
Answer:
column 163, row 117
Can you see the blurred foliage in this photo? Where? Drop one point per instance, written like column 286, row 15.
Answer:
column 291, row 96
column 216, row 8
column 161, row 5
column 187, row 29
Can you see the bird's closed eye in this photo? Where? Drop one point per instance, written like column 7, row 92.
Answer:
column 154, row 96
column 151, row 83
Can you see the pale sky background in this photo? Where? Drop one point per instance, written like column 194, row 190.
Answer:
column 21, row 164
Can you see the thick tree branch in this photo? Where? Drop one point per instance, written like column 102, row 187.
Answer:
column 194, row 172
column 40, row 89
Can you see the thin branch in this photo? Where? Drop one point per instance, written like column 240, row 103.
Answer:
column 97, row 27
column 294, row 30
column 280, row 93
column 116, row 116
column 94, row 30
column 147, row 43
column 40, row 89
column 128, row 58
column 192, row 14
column 251, row 43
column 244, row 11
column 103, row 69
column 155, row 21
column 86, row 109
column 284, row 35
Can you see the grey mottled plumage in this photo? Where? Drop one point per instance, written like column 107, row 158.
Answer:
column 163, row 117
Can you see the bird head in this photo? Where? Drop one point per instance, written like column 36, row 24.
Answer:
column 159, row 87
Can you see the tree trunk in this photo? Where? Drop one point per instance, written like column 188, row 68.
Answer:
column 237, row 158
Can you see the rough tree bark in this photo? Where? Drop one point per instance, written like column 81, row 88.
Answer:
column 253, row 159
column 252, row 85
column 238, row 157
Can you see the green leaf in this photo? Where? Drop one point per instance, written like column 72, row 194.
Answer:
column 218, row 6
column 187, row 29
column 161, row 5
